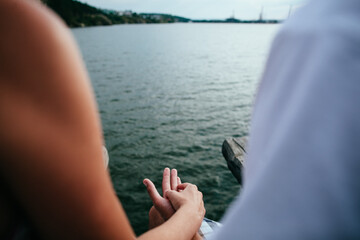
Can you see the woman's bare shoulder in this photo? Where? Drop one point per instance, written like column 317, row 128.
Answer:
column 20, row 18
column 38, row 52
column 42, row 74
column 30, row 35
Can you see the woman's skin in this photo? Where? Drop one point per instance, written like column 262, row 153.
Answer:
column 163, row 208
column 51, row 138
column 173, row 196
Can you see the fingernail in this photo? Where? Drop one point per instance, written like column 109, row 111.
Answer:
column 145, row 183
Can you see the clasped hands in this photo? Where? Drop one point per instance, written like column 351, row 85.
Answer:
column 175, row 195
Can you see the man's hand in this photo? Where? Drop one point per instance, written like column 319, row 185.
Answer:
column 162, row 209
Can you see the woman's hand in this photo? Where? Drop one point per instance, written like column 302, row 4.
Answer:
column 162, row 209
column 189, row 199
column 182, row 202
column 187, row 195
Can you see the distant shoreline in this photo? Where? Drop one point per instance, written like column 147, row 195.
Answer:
column 77, row 14
column 190, row 22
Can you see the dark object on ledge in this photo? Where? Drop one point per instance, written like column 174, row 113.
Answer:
column 233, row 150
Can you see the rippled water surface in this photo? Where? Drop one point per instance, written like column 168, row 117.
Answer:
column 169, row 95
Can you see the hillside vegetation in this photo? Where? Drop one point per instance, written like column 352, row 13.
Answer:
column 77, row 14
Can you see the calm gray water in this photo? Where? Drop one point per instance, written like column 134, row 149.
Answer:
column 169, row 95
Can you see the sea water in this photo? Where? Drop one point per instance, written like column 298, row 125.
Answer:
column 168, row 96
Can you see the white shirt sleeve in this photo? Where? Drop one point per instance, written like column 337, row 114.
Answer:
column 302, row 174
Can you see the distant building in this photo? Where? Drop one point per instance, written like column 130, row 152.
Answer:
column 125, row 13
column 156, row 16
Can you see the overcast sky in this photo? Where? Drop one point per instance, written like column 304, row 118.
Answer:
column 204, row 9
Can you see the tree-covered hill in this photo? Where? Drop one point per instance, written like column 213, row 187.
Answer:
column 77, row 14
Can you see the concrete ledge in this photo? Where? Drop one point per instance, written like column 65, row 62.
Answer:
column 233, row 150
